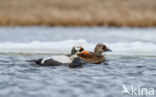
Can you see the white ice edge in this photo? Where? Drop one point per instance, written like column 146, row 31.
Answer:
column 63, row 47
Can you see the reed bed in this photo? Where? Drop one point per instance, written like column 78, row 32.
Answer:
column 134, row 13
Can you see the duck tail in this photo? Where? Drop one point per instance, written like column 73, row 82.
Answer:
column 36, row 61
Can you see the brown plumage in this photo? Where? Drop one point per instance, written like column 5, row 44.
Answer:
column 95, row 57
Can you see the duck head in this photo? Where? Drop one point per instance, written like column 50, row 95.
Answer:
column 76, row 49
column 100, row 48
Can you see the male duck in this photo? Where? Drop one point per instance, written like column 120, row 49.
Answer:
column 59, row 60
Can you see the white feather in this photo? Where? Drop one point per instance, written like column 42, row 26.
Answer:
column 61, row 58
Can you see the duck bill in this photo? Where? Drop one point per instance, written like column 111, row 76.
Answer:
column 108, row 50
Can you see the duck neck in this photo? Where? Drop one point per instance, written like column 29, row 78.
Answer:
column 97, row 52
column 73, row 51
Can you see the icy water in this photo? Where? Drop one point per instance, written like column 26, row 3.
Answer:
column 132, row 62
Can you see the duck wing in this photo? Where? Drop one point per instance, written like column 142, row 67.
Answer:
column 51, row 62
column 46, row 62
column 89, row 55
column 91, row 58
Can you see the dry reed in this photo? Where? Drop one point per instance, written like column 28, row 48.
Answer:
column 136, row 13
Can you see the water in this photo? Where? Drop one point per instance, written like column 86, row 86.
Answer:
column 132, row 62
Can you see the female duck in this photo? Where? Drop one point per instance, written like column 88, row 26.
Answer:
column 95, row 57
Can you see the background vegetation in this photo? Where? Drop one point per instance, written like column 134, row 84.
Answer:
column 137, row 13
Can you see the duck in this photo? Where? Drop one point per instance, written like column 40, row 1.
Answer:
column 59, row 60
column 74, row 50
column 95, row 57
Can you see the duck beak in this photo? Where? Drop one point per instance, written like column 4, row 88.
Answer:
column 108, row 50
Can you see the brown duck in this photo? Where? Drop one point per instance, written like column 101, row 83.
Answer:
column 95, row 57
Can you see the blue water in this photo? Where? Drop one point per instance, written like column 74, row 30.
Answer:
column 19, row 78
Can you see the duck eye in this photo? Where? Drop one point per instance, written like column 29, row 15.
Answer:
column 104, row 47
column 81, row 49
